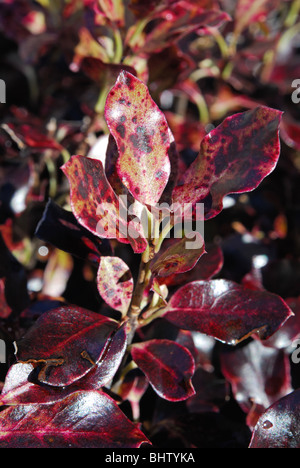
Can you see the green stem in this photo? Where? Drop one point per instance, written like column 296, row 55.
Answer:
column 118, row 46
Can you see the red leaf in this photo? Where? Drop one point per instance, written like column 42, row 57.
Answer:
column 33, row 138
column 68, row 351
column 178, row 258
column 234, row 158
column 226, row 310
column 19, row 387
column 115, row 283
column 87, row 419
column 279, row 427
column 96, row 205
column 142, row 136
column 259, row 376
column 168, row 367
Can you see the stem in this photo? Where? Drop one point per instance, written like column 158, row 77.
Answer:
column 118, row 46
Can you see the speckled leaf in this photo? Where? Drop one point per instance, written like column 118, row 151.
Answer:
column 96, row 206
column 234, row 158
column 178, row 258
column 279, row 426
column 87, row 419
column 142, row 136
column 115, row 283
column 226, row 310
column 168, row 366
column 66, row 352
column 22, row 388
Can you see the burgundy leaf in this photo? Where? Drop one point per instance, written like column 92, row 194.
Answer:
column 142, row 136
column 96, row 206
column 234, row 158
column 279, row 427
column 226, row 310
column 68, row 351
column 87, row 419
column 177, row 19
column 115, row 283
column 21, row 388
column 208, row 265
column 258, row 375
column 179, row 257
column 33, row 137
column 168, row 367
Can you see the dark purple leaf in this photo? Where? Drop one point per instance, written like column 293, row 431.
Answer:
column 66, row 352
column 258, row 375
column 60, row 228
column 226, row 310
column 279, row 427
column 87, row 419
column 168, row 367
column 21, row 388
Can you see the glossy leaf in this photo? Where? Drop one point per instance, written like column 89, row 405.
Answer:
column 234, row 158
column 208, row 265
column 180, row 257
column 168, row 367
column 22, row 388
column 66, row 352
column 87, row 419
column 60, row 228
column 115, row 283
column 258, row 375
column 96, row 205
column 141, row 133
column 279, row 427
column 226, row 310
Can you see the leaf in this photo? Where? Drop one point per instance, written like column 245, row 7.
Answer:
column 114, row 10
column 60, row 228
column 278, row 427
column 21, row 386
column 66, row 352
column 168, row 367
column 234, row 158
column 258, row 375
column 208, row 265
column 87, row 419
column 176, row 20
column 179, row 257
column 142, row 136
column 226, row 310
column 97, row 207
column 115, row 283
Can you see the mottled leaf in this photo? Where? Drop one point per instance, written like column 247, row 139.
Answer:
column 142, row 136
column 234, row 158
column 279, row 427
column 97, row 207
column 66, row 352
column 168, row 367
column 180, row 257
column 22, row 388
column 226, row 310
column 258, row 375
column 115, row 283
column 87, row 419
